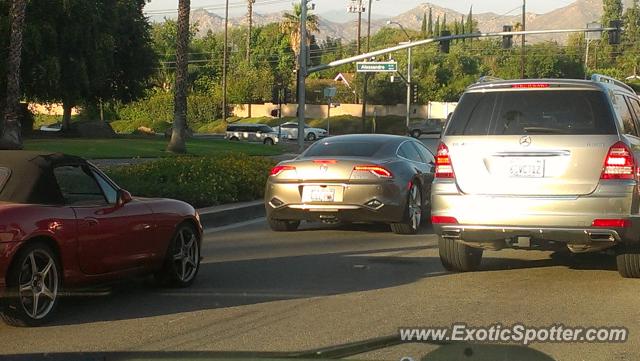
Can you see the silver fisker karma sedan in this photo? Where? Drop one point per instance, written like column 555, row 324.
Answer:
column 353, row 178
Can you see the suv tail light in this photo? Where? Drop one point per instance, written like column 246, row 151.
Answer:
column 280, row 168
column 443, row 220
column 376, row 170
column 444, row 168
column 619, row 163
column 616, row 223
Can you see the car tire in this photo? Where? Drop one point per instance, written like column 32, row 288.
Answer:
column 416, row 133
column 457, row 256
column 234, row 139
column 628, row 261
column 311, row 137
column 413, row 213
column 18, row 307
column 182, row 261
column 268, row 141
column 279, row 225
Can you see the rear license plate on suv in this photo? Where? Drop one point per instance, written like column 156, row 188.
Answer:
column 526, row 168
column 321, row 194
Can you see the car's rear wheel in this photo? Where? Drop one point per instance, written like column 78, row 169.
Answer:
column 457, row 256
column 413, row 213
column 628, row 261
column 182, row 261
column 311, row 137
column 268, row 141
column 280, row 225
column 416, row 133
column 34, row 283
column 234, row 139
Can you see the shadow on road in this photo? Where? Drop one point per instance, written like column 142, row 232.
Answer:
column 253, row 281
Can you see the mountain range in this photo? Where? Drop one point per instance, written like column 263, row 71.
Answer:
column 334, row 24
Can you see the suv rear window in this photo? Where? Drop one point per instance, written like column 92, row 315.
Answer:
column 4, row 176
column 345, row 149
column 532, row 112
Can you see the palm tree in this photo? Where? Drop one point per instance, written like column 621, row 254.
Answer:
column 11, row 138
column 177, row 144
column 291, row 25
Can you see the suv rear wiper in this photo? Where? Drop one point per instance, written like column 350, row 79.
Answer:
column 544, row 130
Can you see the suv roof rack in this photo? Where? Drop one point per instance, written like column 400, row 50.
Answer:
column 609, row 80
column 488, row 78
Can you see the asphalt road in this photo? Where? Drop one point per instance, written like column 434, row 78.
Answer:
column 325, row 285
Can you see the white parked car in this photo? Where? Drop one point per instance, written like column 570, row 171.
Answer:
column 56, row 127
column 289, row 130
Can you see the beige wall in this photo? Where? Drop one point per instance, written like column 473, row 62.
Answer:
column 437, row 110
column 49, row 109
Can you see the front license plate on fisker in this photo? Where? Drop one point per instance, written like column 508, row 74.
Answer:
column 526, row 168
column 319, row 194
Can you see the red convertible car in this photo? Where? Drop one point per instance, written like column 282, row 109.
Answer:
column 64, row 223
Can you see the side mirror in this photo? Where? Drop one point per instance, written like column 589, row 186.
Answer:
column 124, row 197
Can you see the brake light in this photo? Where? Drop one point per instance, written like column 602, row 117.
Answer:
column 616, row 223
column 444, row 168
column 325, row 161
column 530, row 85
column 377, row 170
column 619, row 163
column 443, row 220
column 280, row 168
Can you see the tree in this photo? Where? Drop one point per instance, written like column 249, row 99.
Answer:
column 630, row 45
column 612, row 10
column 11, row 138
column 470, row 26
column 430, row 23
column 423, row 28
column 436, row 28
column 291, row 25
column 444, row 26
column 177, row 144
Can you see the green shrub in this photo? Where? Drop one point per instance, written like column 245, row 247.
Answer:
column 202, row 182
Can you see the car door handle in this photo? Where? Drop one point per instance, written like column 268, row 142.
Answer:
column 91, row 221
column 146, row 227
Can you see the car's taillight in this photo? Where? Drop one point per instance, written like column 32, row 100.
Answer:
column 443, row 220
column 377, row 170
column 615, row 223
column 280, row 168
column 444, row 168
column 619, row 163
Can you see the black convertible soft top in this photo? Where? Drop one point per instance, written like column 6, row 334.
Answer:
column 31, row 177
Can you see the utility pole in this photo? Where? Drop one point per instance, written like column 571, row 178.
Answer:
column 302, row 72
column 366, row 75
column 524, row 28
column 356, row 7
column 409, row 85
column 224, row 62
column 250, row 9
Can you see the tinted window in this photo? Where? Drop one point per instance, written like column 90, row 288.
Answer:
column 346, row 149
column 635, row 105
column 289, row 126
column 408, row 151
column 78, row 186
column 4, row 176
column 231, row 128
column 532, row 112
column 424, row 152
column 110, row 193
column 621, row 107
column 265, row 129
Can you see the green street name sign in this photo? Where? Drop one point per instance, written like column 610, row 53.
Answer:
column 377, row 66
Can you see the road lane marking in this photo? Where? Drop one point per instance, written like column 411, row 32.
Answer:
column 234, row 225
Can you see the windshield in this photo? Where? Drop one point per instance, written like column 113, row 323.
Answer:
column 532, row 112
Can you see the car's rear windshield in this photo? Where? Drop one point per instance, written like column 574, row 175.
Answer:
column 4, row 176
column 343, row 149
column 532, row 112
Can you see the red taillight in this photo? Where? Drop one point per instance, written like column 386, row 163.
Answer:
column 444, row 168
column 530, row 85
column 325, row 161
column 281, row 168
column 377, row 170
column 443, row 220
column 615, row 223
column 619, row 163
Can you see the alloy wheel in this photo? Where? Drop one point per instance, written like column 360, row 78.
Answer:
column 415, row 207
column 38, row 284
column 187, row 254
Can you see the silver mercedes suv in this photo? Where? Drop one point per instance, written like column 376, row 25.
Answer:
column 540, row 164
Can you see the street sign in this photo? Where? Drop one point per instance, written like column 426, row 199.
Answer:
column 377, row 67
column 330, row 92
column 594, row 35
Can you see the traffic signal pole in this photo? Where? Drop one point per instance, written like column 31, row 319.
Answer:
column 302, row 73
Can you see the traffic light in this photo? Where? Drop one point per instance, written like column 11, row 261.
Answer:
column 614, row 35
column 444, row 44
column 507, row 40
column 415, row 93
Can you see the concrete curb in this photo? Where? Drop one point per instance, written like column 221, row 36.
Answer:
column 226, row 214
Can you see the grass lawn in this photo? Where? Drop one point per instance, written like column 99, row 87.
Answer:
column 144, row 148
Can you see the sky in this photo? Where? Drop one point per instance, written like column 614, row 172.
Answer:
column 380, row 7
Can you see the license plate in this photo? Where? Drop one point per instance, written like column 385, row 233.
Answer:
column 319, row 194
column 526, row 168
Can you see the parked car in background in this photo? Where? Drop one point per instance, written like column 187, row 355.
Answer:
column 64, row 223
column 252, row 133
column 543, row 165
column 426, row 126
column 55, row 127
column 353, row 178
column 289, row 130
